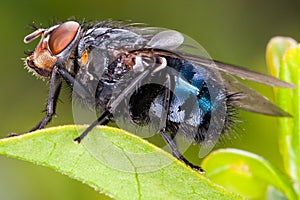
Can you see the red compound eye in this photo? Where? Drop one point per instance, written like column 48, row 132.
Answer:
column 62, row 36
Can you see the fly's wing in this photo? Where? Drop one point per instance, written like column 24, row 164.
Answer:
column 191, row 50
column 247, row 98
column 250, row 100
column 244, row 97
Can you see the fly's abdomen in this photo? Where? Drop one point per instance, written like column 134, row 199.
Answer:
column 190, row 110
column 199, row 105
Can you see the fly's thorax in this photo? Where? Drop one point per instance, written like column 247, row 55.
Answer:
column 57, row 45
column 103, row 51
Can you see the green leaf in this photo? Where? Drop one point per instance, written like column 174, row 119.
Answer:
column 275, row 51
column 114, row 162
column 246, row 174
column 288, row 69
column 276, row 48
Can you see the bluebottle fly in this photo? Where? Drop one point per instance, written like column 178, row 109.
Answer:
column 145, row 76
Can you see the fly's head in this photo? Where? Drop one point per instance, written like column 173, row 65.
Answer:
column 56, row 45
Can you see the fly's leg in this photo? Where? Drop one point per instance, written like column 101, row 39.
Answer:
column 176, row 153
column 105, row 117
column 168, row 139
column 102, row 120
column 55, row 86
column 84, row 93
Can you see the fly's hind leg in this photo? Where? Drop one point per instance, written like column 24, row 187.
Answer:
column 176, row 153
column 170, row 140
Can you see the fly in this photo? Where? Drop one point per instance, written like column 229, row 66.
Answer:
column 146, row 77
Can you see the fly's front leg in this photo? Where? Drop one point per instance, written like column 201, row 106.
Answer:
column 54, row 90
column 82, row 91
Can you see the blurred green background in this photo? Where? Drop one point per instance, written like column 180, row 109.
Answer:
column 233, row 31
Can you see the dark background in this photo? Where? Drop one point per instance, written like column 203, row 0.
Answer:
column 234, row 31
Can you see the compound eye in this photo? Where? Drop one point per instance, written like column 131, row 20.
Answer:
column 62, row 36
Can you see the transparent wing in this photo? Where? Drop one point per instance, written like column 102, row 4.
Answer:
column 193, row 51
column 246, row 98
column 250, row 100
